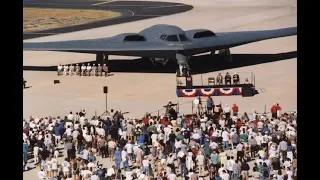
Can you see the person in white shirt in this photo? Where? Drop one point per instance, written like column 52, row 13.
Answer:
column 227, row 111
column 200, row 162
column 70, row 116
column 259, row 160
column 68, row 131
column 35, row 153
column 65, row 167
column 75, row 134
column 88, row 138
column 83, row 70
column 262, row 153
column 259, row 139
column 86, row 173
column 65, row 69
column 289, row 173
column 85, row 154
column 225, row 175
column 230, row 163
column 225, row 139
column 88, row 69
column 42, row 175
column 91, row 164
column 59, row 69
column 129, row 175
column 203, row 123
column 111, row 172
column 124, row 158
column 54, row 166
column 154, row 138
column 129, row 147
column 145, row 165
column 172, row 176
column 82, row 121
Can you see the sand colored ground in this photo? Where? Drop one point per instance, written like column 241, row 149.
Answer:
column 140, row 93
column 36, row 19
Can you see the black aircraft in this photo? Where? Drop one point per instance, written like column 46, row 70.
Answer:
column 161, row 43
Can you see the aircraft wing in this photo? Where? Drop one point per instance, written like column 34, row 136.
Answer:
column 138, row 46
column 112, row 46
column 225, row 40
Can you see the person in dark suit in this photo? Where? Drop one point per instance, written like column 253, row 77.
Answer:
column 227, row 79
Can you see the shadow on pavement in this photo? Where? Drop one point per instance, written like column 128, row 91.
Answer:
column 199, row 64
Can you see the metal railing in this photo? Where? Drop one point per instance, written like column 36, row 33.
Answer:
column 203, row 79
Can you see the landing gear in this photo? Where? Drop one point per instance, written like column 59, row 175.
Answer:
column 102, row 58
column 226, row 54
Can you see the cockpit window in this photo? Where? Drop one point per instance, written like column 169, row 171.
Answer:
column 182, row 37
column 163, row 37
column 172, row 38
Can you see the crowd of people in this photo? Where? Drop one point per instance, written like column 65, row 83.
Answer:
column 83, row 70
column 215, row 145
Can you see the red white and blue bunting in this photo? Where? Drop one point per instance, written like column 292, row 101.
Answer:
column 226, row 91
column 207, row 91
column 210, row 92
column 188, row 92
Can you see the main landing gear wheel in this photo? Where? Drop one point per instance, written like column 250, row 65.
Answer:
column 226, row 54
column 102, row 58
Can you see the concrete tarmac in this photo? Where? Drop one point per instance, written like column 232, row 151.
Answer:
column 130, row 11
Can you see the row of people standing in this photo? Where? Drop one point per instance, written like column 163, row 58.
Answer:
column 83, row 70
column 227, row 79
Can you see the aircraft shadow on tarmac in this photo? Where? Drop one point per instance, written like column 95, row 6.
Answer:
column 199, row 64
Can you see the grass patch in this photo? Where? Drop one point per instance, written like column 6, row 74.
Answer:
column 36, row 19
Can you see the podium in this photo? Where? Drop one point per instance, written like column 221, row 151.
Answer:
column 189, row 84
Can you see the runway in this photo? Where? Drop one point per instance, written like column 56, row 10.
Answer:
column 130, row 10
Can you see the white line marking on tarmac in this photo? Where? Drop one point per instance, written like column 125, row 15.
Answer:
column 163, row 6
column 106, row 2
